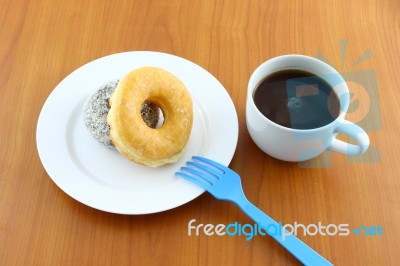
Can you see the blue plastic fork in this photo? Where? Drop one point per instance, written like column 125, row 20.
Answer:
column 224, row 184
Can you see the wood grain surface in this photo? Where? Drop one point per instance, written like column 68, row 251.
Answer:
column 42, row 41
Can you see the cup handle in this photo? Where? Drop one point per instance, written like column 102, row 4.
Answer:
column 356, row 133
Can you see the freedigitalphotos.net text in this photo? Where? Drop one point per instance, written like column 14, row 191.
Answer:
column 252, row 230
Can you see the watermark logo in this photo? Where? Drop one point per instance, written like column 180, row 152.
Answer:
column 249, row 231
column 364, row 104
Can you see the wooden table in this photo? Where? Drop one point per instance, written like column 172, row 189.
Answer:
column 43, row 41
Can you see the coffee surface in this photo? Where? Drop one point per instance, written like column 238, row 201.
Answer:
column 297, row 99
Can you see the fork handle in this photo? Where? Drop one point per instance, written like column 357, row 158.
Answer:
column 291, row 243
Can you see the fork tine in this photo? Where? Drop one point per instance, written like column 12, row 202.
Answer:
column 213, row 163
column 205, row 168
column 197, row 181
column 200, row 174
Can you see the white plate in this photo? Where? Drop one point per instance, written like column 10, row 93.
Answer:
column 102, row 178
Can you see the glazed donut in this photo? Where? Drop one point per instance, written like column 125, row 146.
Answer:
column 97, row 106
column 130, row 134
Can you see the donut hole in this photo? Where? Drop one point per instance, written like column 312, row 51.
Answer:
column 152, row 114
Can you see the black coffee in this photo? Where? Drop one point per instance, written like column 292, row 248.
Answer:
column 297, row 99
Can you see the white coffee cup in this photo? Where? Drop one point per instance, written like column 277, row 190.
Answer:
column 290, row 144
